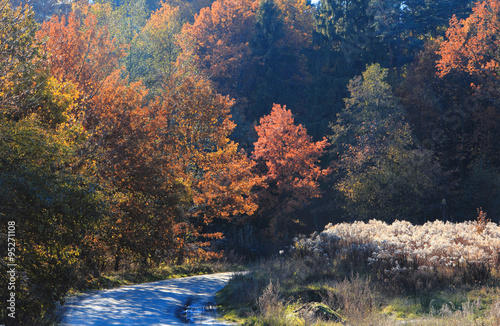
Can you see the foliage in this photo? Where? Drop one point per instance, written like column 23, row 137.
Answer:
column 383, row 174
column 280, row 67
column 56, row 212
column 344, row 42
column 21, row 69
column 171, row 165
column 219, row 174
column 79, row 51
column 289, row 162
column 126, row 19
column 472, row 47
column 218, row 42
column 346, row 25
column 156, row 48
column 25, row 86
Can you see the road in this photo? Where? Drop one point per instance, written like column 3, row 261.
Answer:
column 151, row 304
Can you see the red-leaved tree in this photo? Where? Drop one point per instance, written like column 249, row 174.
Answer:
column 472, row 47
column 288, row 158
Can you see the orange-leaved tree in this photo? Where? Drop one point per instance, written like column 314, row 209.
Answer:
column 472, row 47
column 79, row 51
column 145, row 196
column 218, row 42
column 472, row 43
column 171, row 167
column 216, row 176
column 289, row 162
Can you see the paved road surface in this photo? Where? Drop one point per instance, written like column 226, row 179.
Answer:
column 151, row 304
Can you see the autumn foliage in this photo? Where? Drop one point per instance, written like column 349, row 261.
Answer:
column 79, row 51
column 471, row 43
column 219, row 41
column 471, row 47
column 139, row 133
column 289, row 160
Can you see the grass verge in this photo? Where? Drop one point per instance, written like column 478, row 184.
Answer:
column 318, row 290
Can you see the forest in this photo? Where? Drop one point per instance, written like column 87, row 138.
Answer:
column 140, row 133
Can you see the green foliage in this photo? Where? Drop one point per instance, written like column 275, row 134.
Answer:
column 156, row 48
column 125, row 21
column 279, row 66
column 482, row 189
column 383, row 174
column 345, row 42
column 347, row 29
column 22, row 78
column 54, row 211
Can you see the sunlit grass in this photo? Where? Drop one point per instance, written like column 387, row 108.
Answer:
column 340, row 277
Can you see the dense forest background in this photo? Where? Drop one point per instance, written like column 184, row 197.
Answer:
column 137, row 132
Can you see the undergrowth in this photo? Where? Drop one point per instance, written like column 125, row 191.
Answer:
column 338, row 284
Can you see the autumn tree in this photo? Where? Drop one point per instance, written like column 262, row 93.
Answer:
column 79, row 51
column 382, row 173
column 218, row 42
column 217, row 175
column 471, row 46
column 170, row 166
column 156, row 48
column 52, row 199
column 288, row 159
column 22, row 75
column 26, row 86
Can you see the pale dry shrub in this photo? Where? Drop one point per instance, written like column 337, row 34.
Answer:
column 431, row 244
column 450, row 315
column 270, row 300
column 353, row 297
column 495, row 312
column 453, row 252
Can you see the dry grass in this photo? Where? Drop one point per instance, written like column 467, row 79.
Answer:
column 316, row 285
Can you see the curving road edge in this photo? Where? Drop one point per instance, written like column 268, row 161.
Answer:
column 151, row 304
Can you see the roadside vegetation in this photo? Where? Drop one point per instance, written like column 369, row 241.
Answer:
column 114, row 279
column 375, row 274
column 141, row 139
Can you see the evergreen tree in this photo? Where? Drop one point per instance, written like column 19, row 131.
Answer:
column 279, row 65
column 345, row 41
